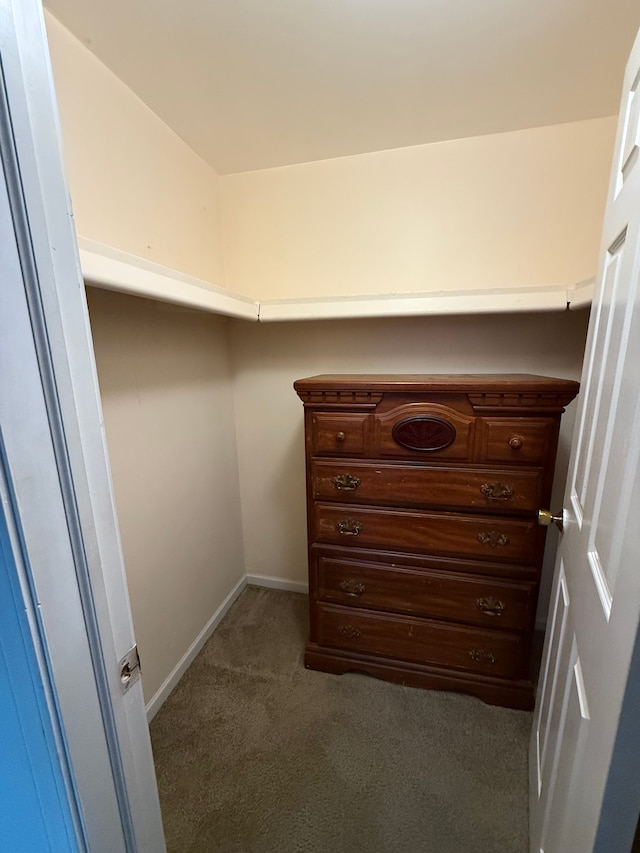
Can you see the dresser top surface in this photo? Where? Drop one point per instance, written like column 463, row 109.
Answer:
column 440, row 382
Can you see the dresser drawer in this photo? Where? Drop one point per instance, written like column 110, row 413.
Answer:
column 438, row 595
column 338, row 434
column 497, row 653
column 424, row 431
column 434, row 533
column 516, row 440
column 492, row 490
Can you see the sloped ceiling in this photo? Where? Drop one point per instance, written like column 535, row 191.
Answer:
column 251, row 84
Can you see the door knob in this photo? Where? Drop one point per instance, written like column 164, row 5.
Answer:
column 546, row 517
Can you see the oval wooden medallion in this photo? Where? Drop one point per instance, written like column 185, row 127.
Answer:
column 424, row 432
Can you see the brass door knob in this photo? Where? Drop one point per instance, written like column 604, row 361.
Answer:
column 546, row 517
column 340, row 436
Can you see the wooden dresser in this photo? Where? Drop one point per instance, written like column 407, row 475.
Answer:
column 424, row 544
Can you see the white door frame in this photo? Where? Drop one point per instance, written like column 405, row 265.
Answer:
column 56, row 480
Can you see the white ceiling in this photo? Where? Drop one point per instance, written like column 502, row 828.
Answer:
column 250, row 84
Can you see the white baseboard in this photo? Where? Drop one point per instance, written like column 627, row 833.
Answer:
column 162, row 694
column 278, row 583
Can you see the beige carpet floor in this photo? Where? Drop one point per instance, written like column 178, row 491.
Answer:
column 255, row 754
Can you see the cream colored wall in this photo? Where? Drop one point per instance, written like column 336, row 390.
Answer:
column 509, row 210
column 135, row 185
column 165, row 382
column 269, row 416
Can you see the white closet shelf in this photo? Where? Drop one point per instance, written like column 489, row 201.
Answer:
column 581, row 294
column 415, row 304
column 111, row 269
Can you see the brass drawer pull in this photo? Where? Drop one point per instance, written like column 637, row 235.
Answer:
column 346, row 482
column 496, row 491
column 340, row 436
column 352, row 588
column 493, row 539
column 349, row 527
column 516, row 442
column 490, row 606
column 350, row 632
column 482, row 656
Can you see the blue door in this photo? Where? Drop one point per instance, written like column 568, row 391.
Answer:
column 35, row 813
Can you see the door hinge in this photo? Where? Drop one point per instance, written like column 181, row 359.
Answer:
column 129, row 668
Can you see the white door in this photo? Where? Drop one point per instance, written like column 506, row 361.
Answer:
column 54, row 474
column 585, row 751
